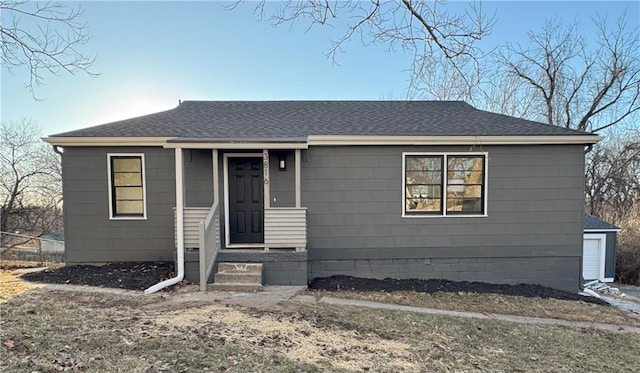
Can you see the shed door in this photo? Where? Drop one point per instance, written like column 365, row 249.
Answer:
column 246, row 208
column 591, row 259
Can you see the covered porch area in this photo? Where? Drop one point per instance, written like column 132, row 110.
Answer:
column 240, row 203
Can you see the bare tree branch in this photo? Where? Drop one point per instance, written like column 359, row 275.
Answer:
column 53, row 45
column 580, row 88
column 421, row 28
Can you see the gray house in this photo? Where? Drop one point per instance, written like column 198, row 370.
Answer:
column 317, row 188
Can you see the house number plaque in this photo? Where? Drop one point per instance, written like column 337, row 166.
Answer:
column 265, row 165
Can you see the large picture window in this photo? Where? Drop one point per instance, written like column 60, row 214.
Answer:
column 444, row 184
column 126, row 186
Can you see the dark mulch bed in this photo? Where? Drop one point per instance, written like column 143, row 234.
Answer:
column 123, row 275
column 348, row 283
column 141, row 275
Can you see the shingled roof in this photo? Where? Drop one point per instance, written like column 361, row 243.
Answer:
column 593, row 223
column 300, row 119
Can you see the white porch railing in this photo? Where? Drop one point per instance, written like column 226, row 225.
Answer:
column 192, row 218
column 285, row 227
column 209, row 244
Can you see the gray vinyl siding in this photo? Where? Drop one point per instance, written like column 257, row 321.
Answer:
column 282, row 183
column 535, row 204
column 198, row 175
column 89, row 234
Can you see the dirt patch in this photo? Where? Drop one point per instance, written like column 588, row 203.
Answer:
column 49, row 331
column 122, row 275
column 348, row 283
column 11, row 285
column 293, row 336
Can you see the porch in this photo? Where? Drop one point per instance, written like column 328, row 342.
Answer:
column 255, row 215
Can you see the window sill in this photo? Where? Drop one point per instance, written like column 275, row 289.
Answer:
column 127, row 218
column 419, row 216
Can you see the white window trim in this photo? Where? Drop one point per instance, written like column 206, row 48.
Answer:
column 444, row 201
column 144, row 187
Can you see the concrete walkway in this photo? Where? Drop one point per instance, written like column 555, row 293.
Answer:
column 628, row 290
column 273, row 298
column 475, row 315
column 633, row 307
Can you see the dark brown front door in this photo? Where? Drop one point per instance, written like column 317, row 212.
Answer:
column 246, row 207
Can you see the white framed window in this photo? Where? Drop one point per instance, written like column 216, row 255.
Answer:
column 444, row 184
column 127, row 186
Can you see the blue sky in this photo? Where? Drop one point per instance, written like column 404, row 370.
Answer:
column 152, row 54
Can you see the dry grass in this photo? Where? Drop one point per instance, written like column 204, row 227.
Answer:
column 11, row 285
column 497, row 303
column 15, row 264
column 444, row 344
column 48, row 331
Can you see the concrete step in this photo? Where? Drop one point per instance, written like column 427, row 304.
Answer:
column 254, row 268
column 237, row 278
column 235, row 287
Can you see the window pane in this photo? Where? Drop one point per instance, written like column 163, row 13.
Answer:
column 460, row 191
column 424, row 177
column 468, row 205
column 423, row 191
column 423, row 183
column 129, row 207
column 424, row 163
column 127, row 190
column 465, row 184
column 129, row 193
column 127, row 164
column 466, row 169
column 422, row 204
column 125, row 179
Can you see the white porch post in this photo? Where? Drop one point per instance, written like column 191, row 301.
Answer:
column 297, row 176
column 180, row 208
column 216, row 177
column 267, row 189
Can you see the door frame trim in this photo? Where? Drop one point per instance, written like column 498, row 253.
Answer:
column 225, row 166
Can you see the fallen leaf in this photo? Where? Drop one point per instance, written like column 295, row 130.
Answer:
column 9, row 344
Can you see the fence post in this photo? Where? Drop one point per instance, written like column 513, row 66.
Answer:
column 40, row 252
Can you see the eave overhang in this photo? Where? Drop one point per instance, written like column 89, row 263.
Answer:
column 237, row 143
column 106, row 141
column 453, row 140
column 321, row 140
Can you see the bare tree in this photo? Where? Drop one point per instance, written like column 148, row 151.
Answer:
column 30, row 181
column 577, row 86
column 484, row 86
column 613, row 176
column 443, row 81
column 418, row 27
column 43, row 37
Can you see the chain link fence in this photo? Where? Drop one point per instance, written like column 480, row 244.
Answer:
column 15, row 247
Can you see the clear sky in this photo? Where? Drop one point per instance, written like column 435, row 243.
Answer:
column 152, row 54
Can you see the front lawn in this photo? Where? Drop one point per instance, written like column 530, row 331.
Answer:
column 44, row 331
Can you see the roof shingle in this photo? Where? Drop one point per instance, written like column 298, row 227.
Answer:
column 593, row 223
column 299, row 119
